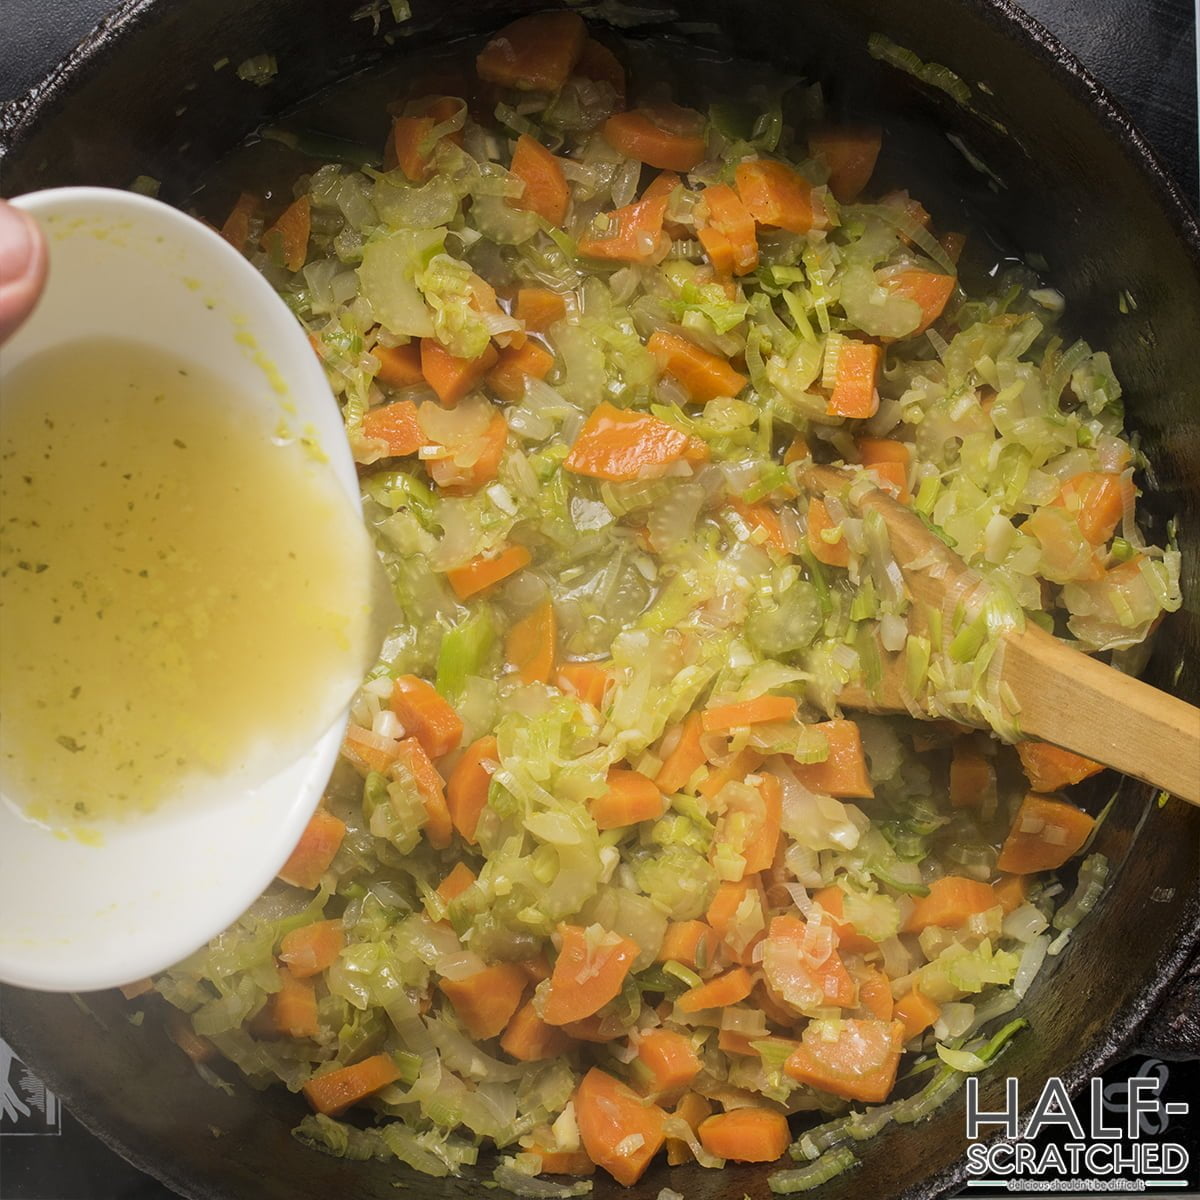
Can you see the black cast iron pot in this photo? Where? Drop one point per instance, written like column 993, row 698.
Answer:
column 1074, row 183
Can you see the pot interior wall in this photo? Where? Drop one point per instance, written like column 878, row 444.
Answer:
column 147, row 98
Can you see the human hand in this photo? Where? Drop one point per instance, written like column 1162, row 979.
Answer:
column 22, row 267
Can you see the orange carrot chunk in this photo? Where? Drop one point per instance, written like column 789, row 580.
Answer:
column 546, row 191
column 972, row 778
column 589, row 971
column 426, row 716
column 854, row 1059
column 530, row 1039
column 535, row 53
column 318, row 845
column 287, row 239
column 854, row 392
column 621, row 445
column 336, row 1091
column 631, row 797
column 139, row 987
column 875, row 994
column 1011, row 892
column 516, row 364
column 721, row 992
column 1050, row 768
column 833, row 554
column 844, row 773
column 748, row 712
column 396, row 426
column 236, row 230
column 529, row 645
column 482, row 572
column 832, row 899
column 1098, row 499
column 765, row 527
column 850, row 155
column 703, row 375
column 916, row 1012
column 474, row 464
column 693, row 1108
column 889, row 460
column 456, row 882
column 1044, row 834
column 691, row 943
column 636, row 134
column 951, row 902
column 633, row 233
column 783, row 958
column 737, row 243
column 539, row 308
column 563, row 1162
column 762, row 841
column 486, row 1001
column 293, row 1009
column 599, row 63
column 670, row 1059
column 313, row 948
column 931, row 291
column 430, row 788
column 755, row 1135
column 686, row 757
column 776, row 195
column 399, row 366
column 369, row 751
column 620, row 1131
column 452, row 378
column 586, row 680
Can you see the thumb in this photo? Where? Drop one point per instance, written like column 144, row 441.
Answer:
column 22, row 267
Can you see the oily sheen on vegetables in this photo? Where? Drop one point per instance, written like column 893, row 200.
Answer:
column 604, row 878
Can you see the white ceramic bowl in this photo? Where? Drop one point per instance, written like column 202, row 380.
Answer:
column 77, row 916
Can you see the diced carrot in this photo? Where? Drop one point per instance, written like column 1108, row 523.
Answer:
column 917, row 1012
column 287, row 239
column 972, row 778
column 293, row 1008
column 833, row 554
column 456, row 882
column 596, row 1029
column 408, row 146
column 236, row 230
column 889, row 460
column 563, row 1162
column 834, row 982
column 396, row 426
column 1097, row 498
column 535, row 53
column 726, row 215
column 1051, row 768
column 742, row 764
column 179, row 1030
column 426, row 716
column 529, row 645
column 832, row 900
column 748, row 712
column 536, row 969
column 931, row 291
column 764, row 524
column 317, row 848
column 336, row 1091
column 910, row 207
column 369, row 751
column 732, row 1042
column 844, row 773
column 851, row 1058
column 756, row 1135
column 725, row 903
column 486, row 1001
column 450, row 377
column 546, row 192
column 875, row 993
column 589, row 971
column 670, row 1059
column 472, row 465
column 854, row 392
column 632, row 233
column 586, row 680
column 1066, row 554
column 483, row 572
column 762, row 841
column 686, row 757
column 611, row 1118
column 953, row 244
column 139, row 987
column 621, row 445
column 528, row 361
column 850, row 155
column 599, row 63
column 662, row 186
column 797, row 451
column 726, row 989
column 703, row 375
column 438, row 828
column 530, row 1039
column 952, row 900
column 775, row 195
column 1044, row 834
column 693, row 1109
column 691, row 943
column 399, row 366
column 311, row 949
column 1011, row 891
column 539, row 308
column 636, row 134
column 631, row 797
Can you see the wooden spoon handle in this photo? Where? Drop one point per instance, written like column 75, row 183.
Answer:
column 1072, row 700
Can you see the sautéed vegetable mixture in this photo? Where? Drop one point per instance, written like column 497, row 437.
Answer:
column 605, row 872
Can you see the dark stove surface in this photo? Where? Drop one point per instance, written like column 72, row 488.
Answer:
column 1144, row 51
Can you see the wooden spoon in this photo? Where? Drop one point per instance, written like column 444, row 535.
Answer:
column 1062, row 696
